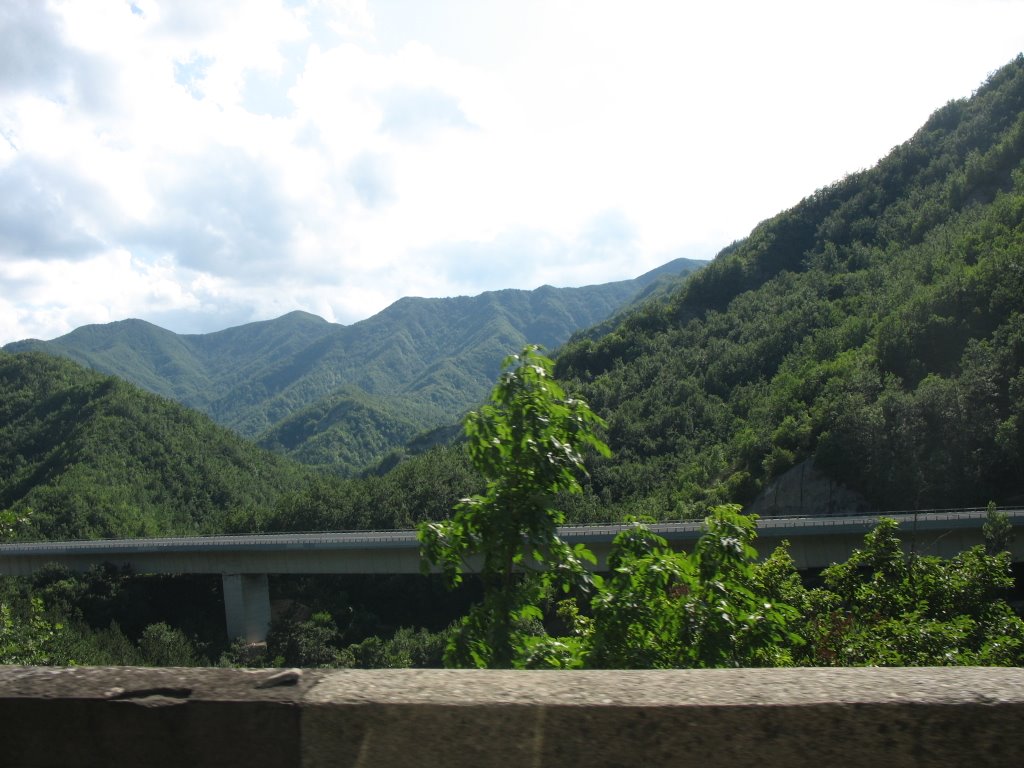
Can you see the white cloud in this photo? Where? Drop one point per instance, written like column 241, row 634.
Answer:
column 106, row 287
column 199, row 164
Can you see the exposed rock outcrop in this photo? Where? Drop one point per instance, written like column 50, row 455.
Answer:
column 804, row 490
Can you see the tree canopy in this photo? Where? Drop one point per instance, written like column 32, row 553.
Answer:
column 528, row 443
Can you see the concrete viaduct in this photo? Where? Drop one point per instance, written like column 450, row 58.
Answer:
column 244, row 561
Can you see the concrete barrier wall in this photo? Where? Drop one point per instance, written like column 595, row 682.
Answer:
column 393, row 718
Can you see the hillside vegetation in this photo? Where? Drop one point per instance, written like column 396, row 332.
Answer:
column 876, row 327
column 717, row 606
column 84, row 455
column 345, row 396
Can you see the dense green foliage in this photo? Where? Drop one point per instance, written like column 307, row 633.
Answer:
column 26, row 636
column 719, row 607
column 527, row 443
column 714, row 607
column 93, row 456
column 878, row 327
column 346, row 396
column 661, row 608
column 107, row 617
column 346, row 429
column 882, row 607
column 424, row 487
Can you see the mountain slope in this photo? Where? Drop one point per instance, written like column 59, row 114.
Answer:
column 877, row 328
column 321, row 434
column 414, row 366
column 93, row 456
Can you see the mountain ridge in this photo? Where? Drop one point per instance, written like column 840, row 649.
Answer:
column 876, row 327
column 414, row 366
column 86, row 455
column 874, row 331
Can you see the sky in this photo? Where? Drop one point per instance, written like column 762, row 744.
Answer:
column 205, row 164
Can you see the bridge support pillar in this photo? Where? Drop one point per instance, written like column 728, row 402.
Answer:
column 247, row 606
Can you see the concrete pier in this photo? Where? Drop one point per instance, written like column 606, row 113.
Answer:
column 247, row 606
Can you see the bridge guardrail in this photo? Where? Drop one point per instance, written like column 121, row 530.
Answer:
column 404, row 538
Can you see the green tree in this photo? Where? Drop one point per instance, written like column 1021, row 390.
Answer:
column 709, row 608
column 528, row 443
column 310, row 643
column 10, row 523
column 406, row 648
column 997, row 530
column 26, row 635
column 884, row 607
column 162, row 645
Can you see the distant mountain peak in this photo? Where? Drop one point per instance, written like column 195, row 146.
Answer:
column 299, row 314
column 420, row 364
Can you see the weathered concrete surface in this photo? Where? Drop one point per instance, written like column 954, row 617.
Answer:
column 395, row 718
column 247, row 606
column 107, row 716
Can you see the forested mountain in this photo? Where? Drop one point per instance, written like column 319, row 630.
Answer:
column 876, row 328
column 872, row 334
column 85, row 455
column 346, row 395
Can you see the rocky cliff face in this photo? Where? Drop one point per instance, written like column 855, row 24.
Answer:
column 804, row 490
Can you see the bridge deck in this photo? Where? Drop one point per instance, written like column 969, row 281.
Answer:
column 244, row 561
column 264, row 553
